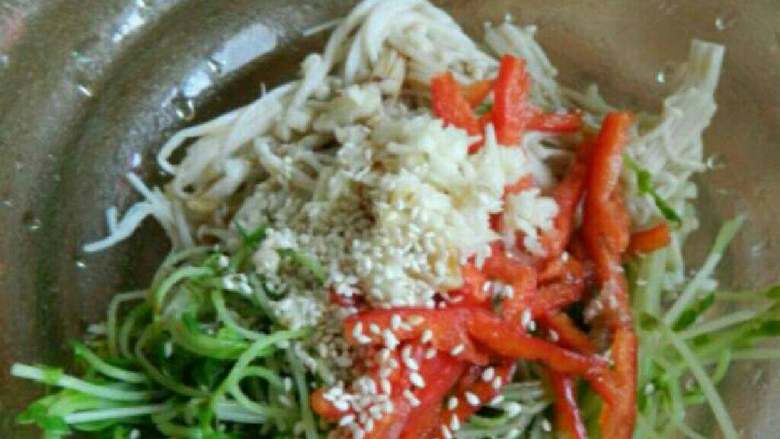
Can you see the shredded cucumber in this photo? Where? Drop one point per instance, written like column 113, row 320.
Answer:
column 186, row 358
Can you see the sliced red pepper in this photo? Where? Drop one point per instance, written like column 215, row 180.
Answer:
column 567, row 414
column 553, row 297
column 390, row 426
column 524, row 295
column 560, row 269
column 567, row 195
column 509, row 341
column 440, row 373
column 473, row 288
column 510, row 110
column 504, row 267
column 450, row 105
column 569, row 335
column 619, row 416
column 484, row 390
column 650, row 240
column 448, row 328
column 602, row 222
column 605, row 225
column 476, row 92
column 554, row 122
column 513, row 114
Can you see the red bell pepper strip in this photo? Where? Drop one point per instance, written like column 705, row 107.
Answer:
column 476, row 92
column 605, row 226
column 484, row 390
column 554, row 297
column 567, row 414
column 504, row 267
column 513, row 114
column 450, row 105
column 524, row 295
column 567, row 195
column 510, row 108
column 440, row 373
column 569, row 335
column 619, row 416
column 560, row 269
column 554, row 122
column 472, row 290
column 600, row 226
column 448, row 327
column 509, row 341
column 650, row 240
column 521, row 277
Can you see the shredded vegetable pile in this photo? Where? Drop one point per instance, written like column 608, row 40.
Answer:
column 421, row 237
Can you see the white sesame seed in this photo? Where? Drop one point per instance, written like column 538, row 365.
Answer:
column 417, row 380
column 509, row 292
column 357, row 330
column 376, row 412
column 513, row 408
column 525, row 318
column 430, row 353
column 135, row 434
column 457, row 350
column 341, row 405
column 416, row 320
column 384, row 355
column 390, row 340
column 385, row 372
column 285, row 400
column 427, row 336
column 445, row 432
column 531, row 326
column 411, row 398
column 369, row 426
column 363, row 339
column 456, row 299
column 395, row 322
column 513, row 433
column 553, row 336
column 387, row 388
column 472, row 399
column 497, row 400
column 488, row 374
column 393, row 363
column 452, row 403
column 455, row 423
column 374, row 328
column 497, row 382
column 358, row 433
column 347, row 420
column 411, row 363
column 546, row 426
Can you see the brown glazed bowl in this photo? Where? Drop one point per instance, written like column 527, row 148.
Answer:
column 90, row 89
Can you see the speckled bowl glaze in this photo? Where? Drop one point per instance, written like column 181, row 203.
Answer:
column 90, row 89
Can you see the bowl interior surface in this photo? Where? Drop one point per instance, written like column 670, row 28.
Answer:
column 90, row 90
